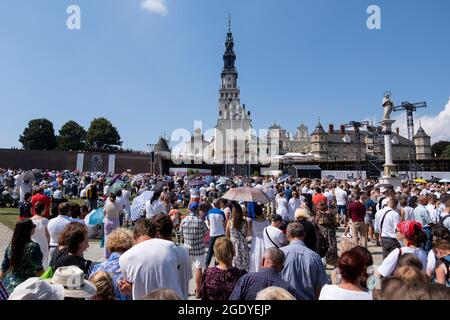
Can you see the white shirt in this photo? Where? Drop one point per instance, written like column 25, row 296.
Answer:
column 282, row 207
column 126, row 198
column 215, row 221
column 271, row 193
column 112, row 210
column 184, row 271
column 433, row 213
column 83, row 193
column 431, row 262
column 341, row 197
column 409, row 213
column 390, row 262
column 294, row 204
column 150, row 265
column 334, row 292
column 56, row 227
column 390, row 222
column 58, row 194
column 154, row 208
column 275, row 234
column 330, row 197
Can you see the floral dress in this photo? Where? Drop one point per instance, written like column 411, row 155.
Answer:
column 218, row 284
column 241, row 260
column 31, row 265
column 327, row 227
column 111, row 266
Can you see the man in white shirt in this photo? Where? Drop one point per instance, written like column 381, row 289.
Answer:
column 386, row 221
column 215, row 221
column 271, row 193
column 431, row 208
column 126, row 195
column 163, row 228
column 273, row 236
column 58, row 194
column 152, row 264
column 341, row 203
column 57, row 225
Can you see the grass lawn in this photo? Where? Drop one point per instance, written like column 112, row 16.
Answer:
column 8, row 216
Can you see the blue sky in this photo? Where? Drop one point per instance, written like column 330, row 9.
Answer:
column 152, row 71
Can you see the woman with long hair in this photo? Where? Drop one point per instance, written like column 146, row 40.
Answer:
column 257, row 247
column 41, row 235
column 23, row 257
column 237, row 233
column 326, row 221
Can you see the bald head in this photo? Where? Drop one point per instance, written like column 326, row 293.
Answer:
column 273, row 258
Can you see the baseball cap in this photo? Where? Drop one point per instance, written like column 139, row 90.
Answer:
column 193, row 206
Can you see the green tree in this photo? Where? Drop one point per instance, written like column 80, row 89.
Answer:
column 101, row 133
column 446, row 153
column 72, row 136
column 438, row 147
column 39, row 135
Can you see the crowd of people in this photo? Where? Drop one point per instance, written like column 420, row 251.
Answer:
column 233, row 250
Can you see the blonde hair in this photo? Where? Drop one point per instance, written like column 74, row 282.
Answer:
column 346, row 245
column 224, row 250
column 161, row 294
column 120, row 240
column 411, row 275
column 274, row 293
column 302, row 213
column 104, row 284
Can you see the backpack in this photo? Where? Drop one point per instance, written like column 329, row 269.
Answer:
column 89, row 193
column 441, row 222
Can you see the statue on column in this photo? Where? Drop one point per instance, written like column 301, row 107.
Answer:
column 388, row 105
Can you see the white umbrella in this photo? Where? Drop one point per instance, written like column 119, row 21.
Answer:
column 248, row 194
column 444, row 181
column 137, row 207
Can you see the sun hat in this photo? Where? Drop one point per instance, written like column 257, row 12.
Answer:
column 37, row 289
column 72, row 279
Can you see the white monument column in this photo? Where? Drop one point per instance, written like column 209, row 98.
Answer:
column 387, row 131
column 389, row 176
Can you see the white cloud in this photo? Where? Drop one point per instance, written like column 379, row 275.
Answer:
column 438, row 127
column 155, row 6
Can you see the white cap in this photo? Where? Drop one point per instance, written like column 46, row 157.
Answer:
column 304, row 190
column 37, row 289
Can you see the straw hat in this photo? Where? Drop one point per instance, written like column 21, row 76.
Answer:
column 72, row 279
column 37, row 289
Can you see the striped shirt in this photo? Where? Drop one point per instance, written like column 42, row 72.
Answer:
column 3, row 293
column 193, row 230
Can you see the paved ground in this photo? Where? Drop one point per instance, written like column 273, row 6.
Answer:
column 96, row 254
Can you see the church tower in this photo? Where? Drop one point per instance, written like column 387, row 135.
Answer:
column 233, row 129
column 423, row 145
column 319, row 142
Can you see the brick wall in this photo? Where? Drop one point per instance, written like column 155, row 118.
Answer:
column 60, row 160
